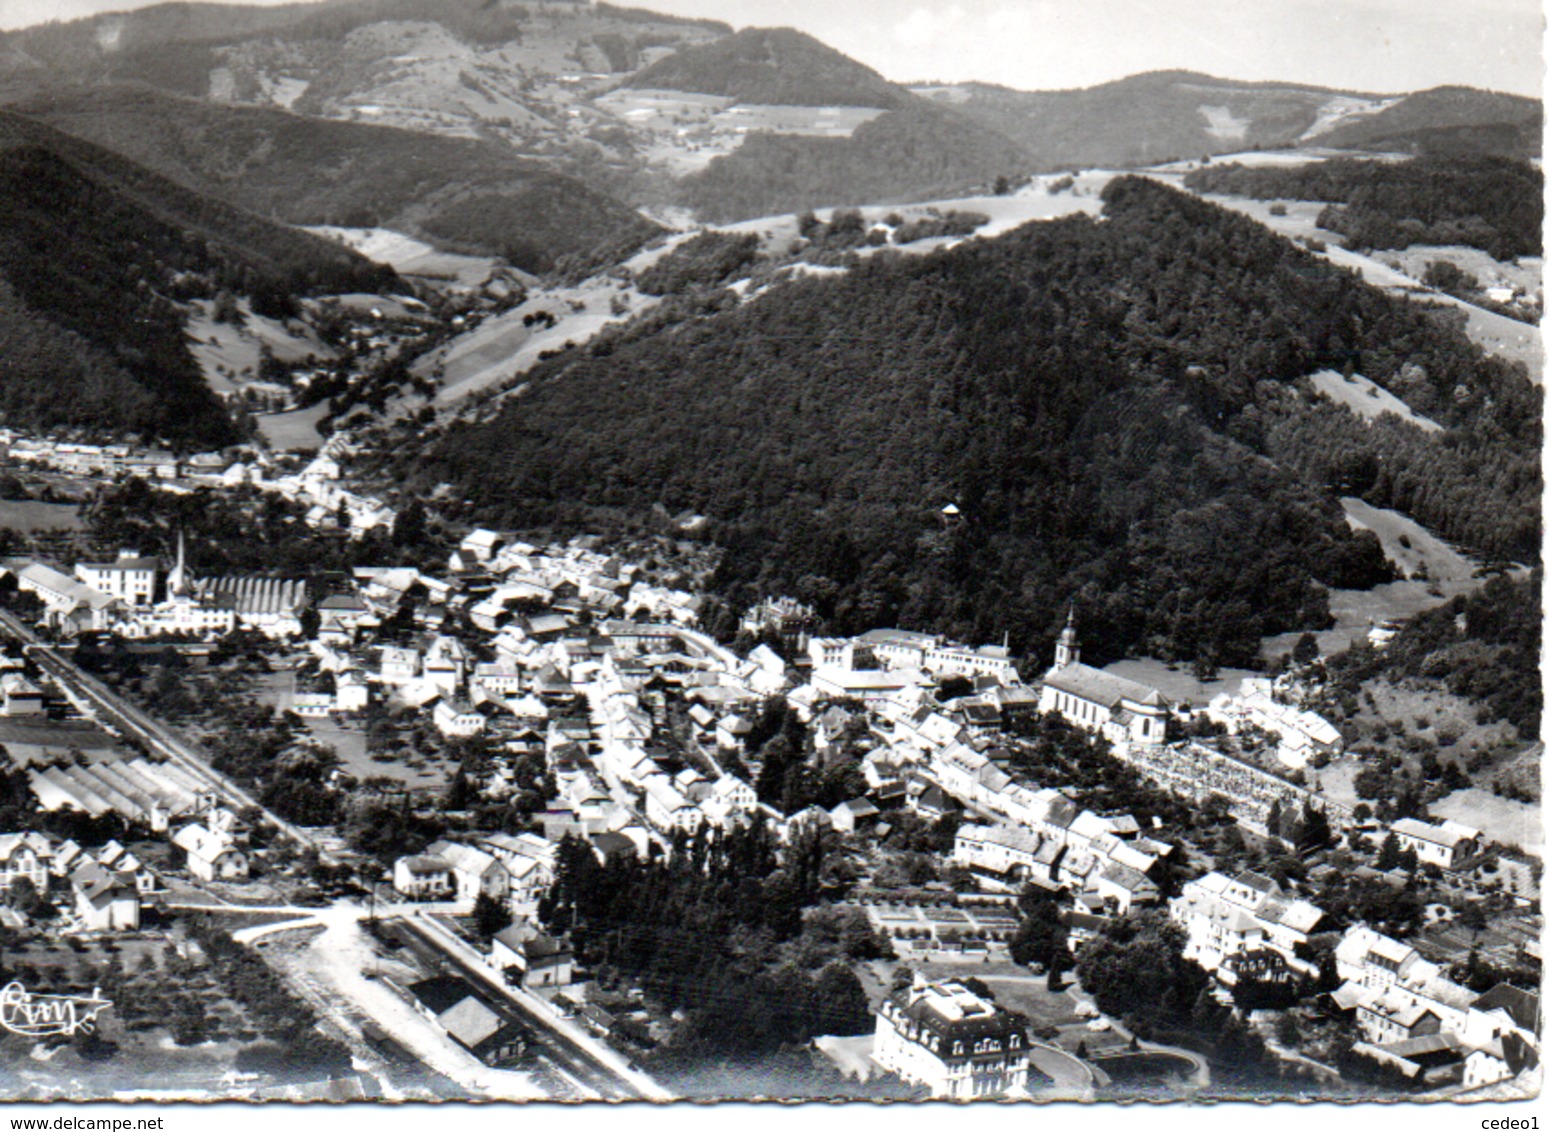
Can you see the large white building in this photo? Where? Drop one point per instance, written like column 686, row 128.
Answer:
column 1120, row 710
column 956, row 1044
column 1446, row 845
column 130, row 578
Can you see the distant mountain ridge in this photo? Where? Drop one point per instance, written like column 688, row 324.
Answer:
column 584, row 90
column 1165, row 115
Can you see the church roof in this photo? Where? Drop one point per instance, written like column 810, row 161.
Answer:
column 1097, row 686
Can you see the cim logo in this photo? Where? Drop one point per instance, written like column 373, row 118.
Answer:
column 40, row 1015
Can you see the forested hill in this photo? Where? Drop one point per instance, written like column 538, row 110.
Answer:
column 1449, row 120
column 914, row 153
column 1495, row 204
column 463, row 194
column 94, row 252
column 1098, row 397
column 778, row 66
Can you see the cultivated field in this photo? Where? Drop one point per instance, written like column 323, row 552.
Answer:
column 1509, row 822
column 293, row 431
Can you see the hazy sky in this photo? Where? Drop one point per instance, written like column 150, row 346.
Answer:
column 1369, row 45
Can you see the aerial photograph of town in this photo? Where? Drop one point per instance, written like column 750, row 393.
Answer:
column 771, row 550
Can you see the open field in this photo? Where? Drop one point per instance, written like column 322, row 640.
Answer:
column 225, row 350
column 1526, row 274
column 1443, row 574
column 408, row 256
column 349, row 742
column 1365, row 398
column 294, row 430
column 1506, row 821
column 1177, row 682
column 30, row 515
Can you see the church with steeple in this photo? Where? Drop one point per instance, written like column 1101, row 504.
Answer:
column 215, row 606
column 1120, row 710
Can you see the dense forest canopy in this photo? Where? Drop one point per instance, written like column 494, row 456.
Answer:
column 1495, row 204
column 1099, row 398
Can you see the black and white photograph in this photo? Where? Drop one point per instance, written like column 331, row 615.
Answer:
column 975, row 551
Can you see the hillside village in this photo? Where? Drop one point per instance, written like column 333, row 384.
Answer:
column 553, row 552
column 574, row 699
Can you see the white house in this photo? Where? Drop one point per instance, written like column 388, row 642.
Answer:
column 474, row 872
column 423, row 877
column 1446, row 845
column 104, row 900
column 212, row 854
column 26, row 855
column 457, row 718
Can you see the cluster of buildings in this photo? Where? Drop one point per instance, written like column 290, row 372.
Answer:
column 1425, row 1025
column 1300, row 736
column 104, row 886
column 1407, row 1013
column 329, row 505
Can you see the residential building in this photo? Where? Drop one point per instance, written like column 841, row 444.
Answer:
column 474, row 871
column 212, row 854
column 28, row 856
column 104, row 900
column 1446, row 845
column 423, row 877
column 531, row 958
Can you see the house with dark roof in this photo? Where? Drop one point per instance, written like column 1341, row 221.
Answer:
column 468, row 1020
column 532, row 958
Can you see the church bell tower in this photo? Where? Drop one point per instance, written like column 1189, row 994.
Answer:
column 1067, row 651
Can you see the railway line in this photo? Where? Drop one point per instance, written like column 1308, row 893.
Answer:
column 96, row 698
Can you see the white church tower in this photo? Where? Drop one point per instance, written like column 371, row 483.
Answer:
column 1067, row 651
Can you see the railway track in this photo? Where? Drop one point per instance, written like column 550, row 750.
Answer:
column 93, row 696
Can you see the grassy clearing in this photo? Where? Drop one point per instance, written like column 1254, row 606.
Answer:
column 294, row 431
column 29, row 515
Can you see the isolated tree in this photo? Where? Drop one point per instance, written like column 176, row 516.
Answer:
column 490, row 915
column 1388, row 854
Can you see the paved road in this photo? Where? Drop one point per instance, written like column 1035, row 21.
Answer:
column 129, row 719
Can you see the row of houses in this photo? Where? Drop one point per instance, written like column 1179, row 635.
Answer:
column 511, row 869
